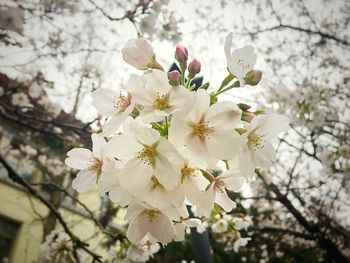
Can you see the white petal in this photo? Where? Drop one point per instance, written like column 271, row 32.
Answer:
column 224, row 201
column 179, row 232
column 191, row 191
column 136, row 230
column 265, row 156
column 167, row 149
column 234, row 182
column 224, row 144
column 176, row 197
column 84, row 181
column 78, row 158
column 157, row 80
column 246, row 162
column 199, row 150
column 205, row 202
column 162, row 229
column 179, row 130
column 269, row 124
column 135, row 82
column 193, row 222
column 109, row 175
column 135, row 175
column 113, row 124
column 224, row 115
column 144, row 134
column 181, row 98
column 133, row 210
column 202, row 102
column 228, row 44
column 98, row 143
column 143, row 96
column 119, row 195
column 155, row 197
column 123, row 147
column 165, row 173
column 172, row 213
column 102, row 100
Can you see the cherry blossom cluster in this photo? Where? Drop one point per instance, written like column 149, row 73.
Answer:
column 58, row 247
column 164, row 134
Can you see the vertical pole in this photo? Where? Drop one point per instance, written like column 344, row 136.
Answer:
column 201, row 245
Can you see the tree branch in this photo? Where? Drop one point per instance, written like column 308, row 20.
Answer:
column 20, row 180
column 305, row 30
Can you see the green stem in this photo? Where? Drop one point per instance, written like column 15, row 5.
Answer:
column 183, row 70
column 226, row 81
column 188, row 84
column 207, row 175
column 234, row 85
column 166, row 126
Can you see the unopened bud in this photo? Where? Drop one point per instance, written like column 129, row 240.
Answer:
column 253, row 77
column 243, row 106
column 194, row 68
column 259, row 112
column 181, row 55
column 240, row 130
column 174, row 78
column 247, row 116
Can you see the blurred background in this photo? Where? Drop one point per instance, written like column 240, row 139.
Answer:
column 54, row 53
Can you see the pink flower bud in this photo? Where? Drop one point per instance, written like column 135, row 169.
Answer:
column 139, row 53
column 253, row 77
column 181, row 54
column 194, row 68
column 174, row 78
column 244, row 107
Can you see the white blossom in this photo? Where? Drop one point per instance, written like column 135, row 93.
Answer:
column 115, row 104
column 180, row 227
column 216, row 193
column 35, row 91
column 145, row 154
column 148, row 220
column 242, row 242
column 220, row 226
column 207, row 131
column 156, row 96
column 142, row 251
column 240, row 61
column 94, row 165
column 21, row 100
column 257, row 151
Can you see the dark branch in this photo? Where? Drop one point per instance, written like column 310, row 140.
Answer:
column 20, row 180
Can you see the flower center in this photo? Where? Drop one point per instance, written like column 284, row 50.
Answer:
column 151, row 215
column 256, row 141
column 202, row 130
column 95, row 164
column 148, row 155
column 161, row 103
column 240, row 62
column 187, row 172
column 156, row 183
column 121, row 102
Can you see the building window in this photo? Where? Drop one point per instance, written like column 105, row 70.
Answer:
column 8, row 231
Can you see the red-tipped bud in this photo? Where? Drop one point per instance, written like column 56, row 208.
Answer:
column 181, row 55
column 253, row 77
column 244, row 107
column 194, row 68
column 174, row 78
